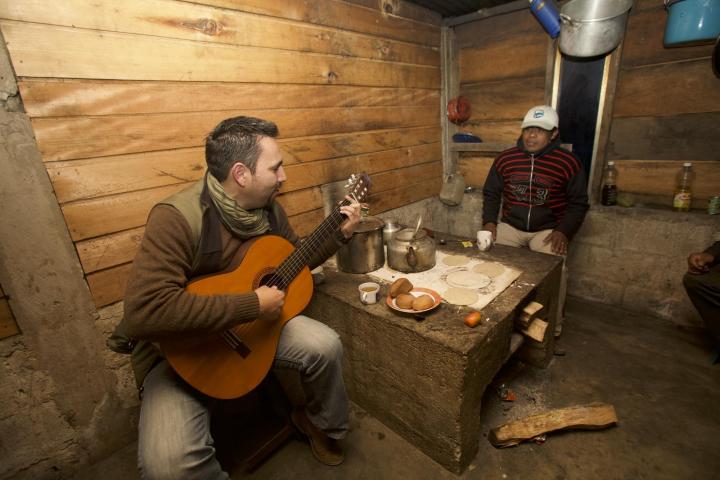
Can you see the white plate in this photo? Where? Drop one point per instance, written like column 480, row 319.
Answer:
column 416, row 292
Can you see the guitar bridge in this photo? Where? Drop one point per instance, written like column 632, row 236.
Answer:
column 236, row 343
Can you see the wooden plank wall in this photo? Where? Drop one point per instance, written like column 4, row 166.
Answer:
column 121, row 98
column 502, row 73
column 8, row 325
column 667, row 110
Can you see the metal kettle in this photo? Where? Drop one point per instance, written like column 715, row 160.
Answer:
column 411, row 250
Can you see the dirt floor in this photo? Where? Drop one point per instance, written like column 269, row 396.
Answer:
column 658, row 377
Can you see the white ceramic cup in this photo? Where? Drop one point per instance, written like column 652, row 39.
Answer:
column 369, row 292
column 484, row 240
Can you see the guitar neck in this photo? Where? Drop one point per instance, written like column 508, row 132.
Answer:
column 300, row 258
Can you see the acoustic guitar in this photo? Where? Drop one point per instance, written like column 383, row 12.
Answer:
column 233, row 363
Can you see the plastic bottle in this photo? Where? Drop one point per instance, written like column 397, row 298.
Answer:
column 547, row 14
column 683, row 190
column 609, row 185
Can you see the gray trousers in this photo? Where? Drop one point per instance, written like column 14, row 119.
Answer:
column 174, row 439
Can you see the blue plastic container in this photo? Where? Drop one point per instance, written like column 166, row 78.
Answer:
column 547, row 14
column 691, row 21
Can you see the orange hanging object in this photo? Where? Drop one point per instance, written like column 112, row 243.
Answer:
column 458, row 110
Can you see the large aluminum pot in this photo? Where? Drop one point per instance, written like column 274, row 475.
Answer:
column 364, row 252
column 592, row 27
column 409, row 252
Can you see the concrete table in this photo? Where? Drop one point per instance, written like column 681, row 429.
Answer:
column 425, row 378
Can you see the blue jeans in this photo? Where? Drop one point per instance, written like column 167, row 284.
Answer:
column 174, row 439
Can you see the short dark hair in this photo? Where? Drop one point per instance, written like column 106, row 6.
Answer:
column 236, row 140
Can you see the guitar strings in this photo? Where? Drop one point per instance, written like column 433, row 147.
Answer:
column 292, row 265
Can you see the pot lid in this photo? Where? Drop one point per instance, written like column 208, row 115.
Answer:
column 369, row 224
column 406, row 234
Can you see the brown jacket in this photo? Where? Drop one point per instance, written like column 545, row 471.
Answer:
column 156, row 303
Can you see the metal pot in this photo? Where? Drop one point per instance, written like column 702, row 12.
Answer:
column 410, row 252
column 364, row 252
column 591, row 27
column 691, row 22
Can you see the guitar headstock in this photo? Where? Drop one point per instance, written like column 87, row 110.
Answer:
column 358, row 186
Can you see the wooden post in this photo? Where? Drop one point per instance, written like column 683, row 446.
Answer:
column 449, row 66
column 604, row 120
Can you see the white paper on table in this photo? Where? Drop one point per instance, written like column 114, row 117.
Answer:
column 434, row 280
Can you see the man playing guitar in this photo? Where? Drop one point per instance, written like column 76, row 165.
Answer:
column 213, row 227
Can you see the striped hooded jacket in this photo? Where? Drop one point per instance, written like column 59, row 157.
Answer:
column 546, row 190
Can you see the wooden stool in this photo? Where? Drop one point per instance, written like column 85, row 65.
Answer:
column 250, row 429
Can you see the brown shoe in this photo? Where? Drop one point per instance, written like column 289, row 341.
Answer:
column 327, row 450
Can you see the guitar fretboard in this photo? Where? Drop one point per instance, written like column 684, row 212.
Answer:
column 294, row 263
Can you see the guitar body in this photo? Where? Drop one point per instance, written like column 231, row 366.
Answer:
column 209, row 363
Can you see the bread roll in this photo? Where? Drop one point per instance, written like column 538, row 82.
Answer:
column 423, row 302
column 405, row 301
column 399, row 286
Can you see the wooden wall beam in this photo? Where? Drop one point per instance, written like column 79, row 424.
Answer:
column 668, row 89
column 687, row 137
column 67, row 98
column 67, row 138
column 191, row 21
column 50, row 51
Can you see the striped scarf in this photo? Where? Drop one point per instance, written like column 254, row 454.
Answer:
column 241, row 222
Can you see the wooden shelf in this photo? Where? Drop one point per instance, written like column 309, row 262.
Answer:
column 480, row 147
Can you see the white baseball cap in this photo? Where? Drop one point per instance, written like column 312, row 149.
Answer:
column 542, row 116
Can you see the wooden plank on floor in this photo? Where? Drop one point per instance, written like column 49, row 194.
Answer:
column 594, row 416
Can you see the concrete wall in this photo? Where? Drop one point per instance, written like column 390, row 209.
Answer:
column 64, row 399
column 629, row 257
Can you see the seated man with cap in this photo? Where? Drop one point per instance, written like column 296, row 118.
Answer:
column 542, row 189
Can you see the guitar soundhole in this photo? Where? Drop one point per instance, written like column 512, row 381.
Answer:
column 270, row 278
